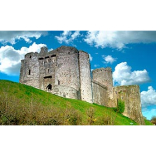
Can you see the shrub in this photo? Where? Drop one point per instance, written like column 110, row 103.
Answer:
column 153, row 120
column 120, row 106
column 90, row 114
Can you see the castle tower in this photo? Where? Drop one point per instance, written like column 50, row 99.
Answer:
column 131, row 97
column 67, row 77
column 85, row 77
column 102, row 85
column 104, row 77
column 29, row 72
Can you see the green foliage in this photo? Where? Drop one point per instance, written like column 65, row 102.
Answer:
column 120, row 106
column 147, row 122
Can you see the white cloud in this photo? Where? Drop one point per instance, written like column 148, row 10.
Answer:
column 148, row 97
column 67, row 36
column 108, row 59
column 96, row 65
column 118, row 39
column 90, row 57
column 124, row 76
column 10, row 58
column 11, row 36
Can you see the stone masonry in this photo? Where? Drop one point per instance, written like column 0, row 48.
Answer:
column 67, row 71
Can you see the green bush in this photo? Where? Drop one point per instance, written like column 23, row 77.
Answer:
column 120, row 106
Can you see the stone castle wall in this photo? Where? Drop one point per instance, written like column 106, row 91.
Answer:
column 29, row 73
column 104, row 77
column 64, row 67
column 67, row 70
column 131, row 96
column 85, row 77
column 100, row 94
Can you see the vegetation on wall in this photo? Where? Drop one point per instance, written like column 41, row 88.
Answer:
column 120, row 106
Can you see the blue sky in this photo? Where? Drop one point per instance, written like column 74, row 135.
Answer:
column 130, row 54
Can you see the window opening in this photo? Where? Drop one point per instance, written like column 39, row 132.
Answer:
column 49, row 87
column 46, row 57
column 29, row 71
column 41, row 58
column 47, row 77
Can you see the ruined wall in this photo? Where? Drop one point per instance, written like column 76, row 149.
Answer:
column 29, row 73
column 131, row 96
column 85, row 77
column 100, row 95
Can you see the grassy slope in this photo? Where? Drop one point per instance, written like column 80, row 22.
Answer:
column 22, row 97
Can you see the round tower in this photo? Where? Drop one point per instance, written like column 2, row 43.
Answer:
column 67, row 67
column 85, row 76
column 104, row 77
column 29, row 73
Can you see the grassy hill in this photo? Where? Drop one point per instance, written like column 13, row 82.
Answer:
column 24, row 105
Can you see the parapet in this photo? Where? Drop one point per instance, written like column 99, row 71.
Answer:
column 102, row 69
column 66, row 49
column 83, row 52
column 44, row 50
column 29, row 55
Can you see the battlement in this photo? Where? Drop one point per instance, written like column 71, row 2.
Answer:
column 29, row 55
column 84, row 52
column 101, row 70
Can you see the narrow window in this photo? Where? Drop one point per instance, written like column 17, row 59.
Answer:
column 29, row 71
column 30, row 56
column 41, row 58
column 48, row 70
column 58, row 82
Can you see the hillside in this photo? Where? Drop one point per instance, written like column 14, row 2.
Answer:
column 24, row 105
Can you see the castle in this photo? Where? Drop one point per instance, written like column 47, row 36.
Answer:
column 66, row 72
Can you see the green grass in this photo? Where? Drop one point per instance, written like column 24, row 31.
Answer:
column 24, row 105
column 147, row 122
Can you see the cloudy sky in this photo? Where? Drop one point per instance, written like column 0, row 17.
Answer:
column 130, row 54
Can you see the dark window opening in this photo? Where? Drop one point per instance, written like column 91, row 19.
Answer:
column 47, row 77
column 58, row 82
column 68, row 52
column 48, row 70
column 29, row 72
column 46, row 57
column 30, row 56
column 53, row 55
column 49, row 87
column 41, row 58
